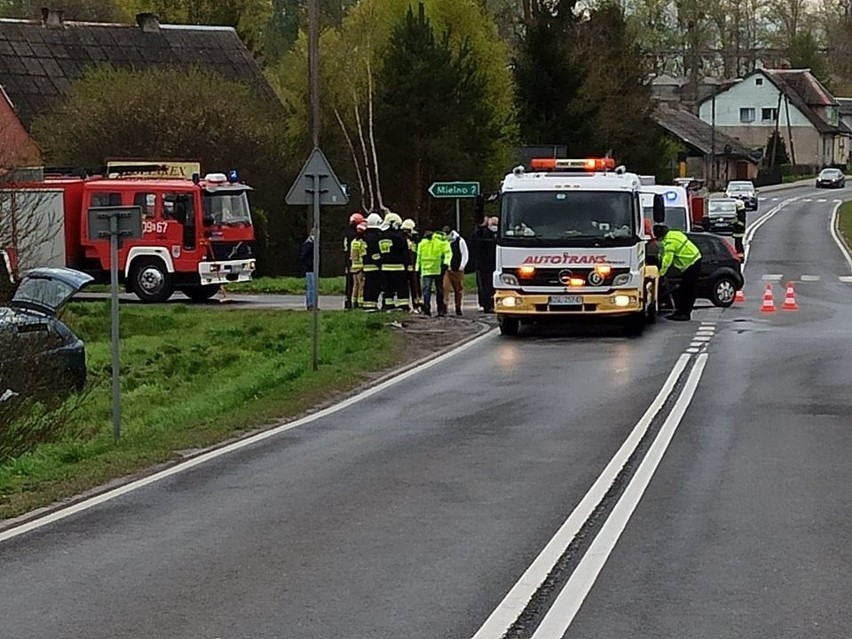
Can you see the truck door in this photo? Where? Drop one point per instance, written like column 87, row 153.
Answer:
column 179, row 212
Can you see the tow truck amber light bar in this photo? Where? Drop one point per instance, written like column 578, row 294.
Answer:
column 587, row 164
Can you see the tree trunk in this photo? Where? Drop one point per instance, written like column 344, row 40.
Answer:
column 354, row 155
column 367, row 172
column 373, row 137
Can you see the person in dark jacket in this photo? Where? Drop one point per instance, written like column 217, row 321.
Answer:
column 484, row 245
column 395, row 260
column 372, row 263
column 307, row 259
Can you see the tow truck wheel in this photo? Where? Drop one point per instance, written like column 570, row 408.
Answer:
column 509, row 326
column 201, row 293
column 150, row 280
column 635, row 324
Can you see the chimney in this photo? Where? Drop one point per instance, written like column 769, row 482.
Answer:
column 148, row 22
column 52, row 19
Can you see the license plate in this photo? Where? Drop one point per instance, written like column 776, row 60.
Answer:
column 566, row 300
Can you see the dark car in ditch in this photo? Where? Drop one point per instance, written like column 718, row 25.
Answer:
column 37, row 349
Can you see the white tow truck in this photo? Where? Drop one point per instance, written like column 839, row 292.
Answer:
column 572, row 244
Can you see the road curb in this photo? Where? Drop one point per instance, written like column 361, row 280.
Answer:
column 838, row 233
column 483, row 328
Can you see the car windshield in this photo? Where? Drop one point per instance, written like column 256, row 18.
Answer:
column 675, row 216
column 832, row 173
column 721, row 208
column 556, row 216
column 740, row 187
column 227, row 208
column 43, row 292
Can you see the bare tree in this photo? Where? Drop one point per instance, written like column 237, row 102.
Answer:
column 373, row 136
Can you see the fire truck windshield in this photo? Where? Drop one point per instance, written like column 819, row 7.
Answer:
column 227, row 208
column 567, row 217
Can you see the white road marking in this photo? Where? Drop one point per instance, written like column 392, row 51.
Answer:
column 702, row 338
column 807, row 200
column 692, row 350
column 810, row 278
column 224, row 450
column 838, row 201
column 773, row 277
column 763, row 219
column 513, row 604
column 846, row 279
column 823, row 200
column 834, row 234
column 775, row 199
column 561, row 614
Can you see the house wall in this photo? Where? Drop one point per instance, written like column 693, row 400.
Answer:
column 17, row 148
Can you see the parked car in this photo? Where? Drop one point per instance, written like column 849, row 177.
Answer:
column 720, row 215
column 743, row 190
column 36, row 347
column 721, row 270
column 831, row 179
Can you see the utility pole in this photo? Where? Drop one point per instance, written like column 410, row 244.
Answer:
column 313, row 73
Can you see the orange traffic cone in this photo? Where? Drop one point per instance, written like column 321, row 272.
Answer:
column 790, row 299
column 740, row 297
column 768, row 305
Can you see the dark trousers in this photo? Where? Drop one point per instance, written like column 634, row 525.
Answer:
column 414, row 285
column 485, row 288
column 684, row 295
column 349, row 285
column 738, row 244
column 397, row 282
column 438, row 281
column 372, row 289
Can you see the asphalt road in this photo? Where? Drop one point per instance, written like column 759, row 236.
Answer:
column 413, row 512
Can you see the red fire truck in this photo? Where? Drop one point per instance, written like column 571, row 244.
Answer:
column 197, row 231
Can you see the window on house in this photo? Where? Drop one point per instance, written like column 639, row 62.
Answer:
column 758, row 81
column 106, row 199
column 769, row 115
column 746, row 114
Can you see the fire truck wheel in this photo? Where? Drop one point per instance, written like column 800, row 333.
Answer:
column 151, row 281
column 201, row 293
column 509, row 326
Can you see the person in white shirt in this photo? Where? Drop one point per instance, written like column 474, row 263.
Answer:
column 454, row 277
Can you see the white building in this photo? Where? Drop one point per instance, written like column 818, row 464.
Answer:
column 795, row 102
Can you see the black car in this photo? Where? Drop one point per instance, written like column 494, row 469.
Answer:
column 37, row 350
column 831, row 179
column 721, row 270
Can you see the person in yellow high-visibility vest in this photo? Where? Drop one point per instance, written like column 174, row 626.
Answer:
column 679, row 252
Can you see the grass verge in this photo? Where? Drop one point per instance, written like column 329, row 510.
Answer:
column 296, row 286
column 844, row 221
column 191, row 377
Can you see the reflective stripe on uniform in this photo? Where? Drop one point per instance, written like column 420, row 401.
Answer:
column 393, row 267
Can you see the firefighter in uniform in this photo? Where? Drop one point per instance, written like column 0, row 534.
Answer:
column 395, row 260
column 372, row 263
column 740, row 228
column 351, row 233
column 678, row 251
column 409, row 228
column 357, row 250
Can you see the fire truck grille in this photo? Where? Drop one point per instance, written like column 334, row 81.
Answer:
column 223, row 251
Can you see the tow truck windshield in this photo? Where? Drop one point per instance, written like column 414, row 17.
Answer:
column 227, row 208
column 567, row 217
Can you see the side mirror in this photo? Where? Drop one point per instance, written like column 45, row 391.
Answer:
column 659, row 209
column 208, row 220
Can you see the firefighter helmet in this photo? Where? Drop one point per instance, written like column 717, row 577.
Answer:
column 392, row 220
column 408, row 225
column 374, row 220
column 355, row 219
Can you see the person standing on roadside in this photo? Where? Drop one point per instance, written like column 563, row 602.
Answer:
column 410, row 229
column 454, row 277
column 307, row 259
column 351, row 233
column 433, row 260
column 485, row 252
column 739, row 229
column 372, row 263
column 357, row 250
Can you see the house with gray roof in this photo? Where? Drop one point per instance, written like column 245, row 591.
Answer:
column 791, row 100
column 41, row 59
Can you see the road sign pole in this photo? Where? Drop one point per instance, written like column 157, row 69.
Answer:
column 458, row 215
column 315, row 295
column 116, row 355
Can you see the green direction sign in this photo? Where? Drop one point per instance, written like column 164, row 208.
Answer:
column 454, row 189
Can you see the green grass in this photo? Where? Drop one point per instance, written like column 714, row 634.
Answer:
column 288, row 286
column 191, row 377
column 845, row 221
column 796, row 178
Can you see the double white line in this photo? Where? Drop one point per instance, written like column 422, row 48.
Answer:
column 562, row 612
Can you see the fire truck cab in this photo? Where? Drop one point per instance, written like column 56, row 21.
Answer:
column 572, row 243
column 197, row 232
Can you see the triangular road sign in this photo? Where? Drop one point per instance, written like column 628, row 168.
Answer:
column 331, row 191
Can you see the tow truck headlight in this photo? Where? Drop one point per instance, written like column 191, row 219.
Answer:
column 508, row 279
column 509, row 301
column 622, row 300
column 621, row 280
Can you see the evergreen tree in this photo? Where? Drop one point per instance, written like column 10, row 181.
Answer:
column 433, row 111
column 549, row 77
column 776, row 150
